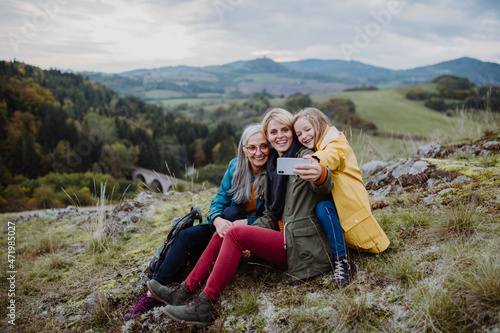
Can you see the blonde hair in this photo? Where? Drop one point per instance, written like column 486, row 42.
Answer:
column 280, row 115
column 318, row 120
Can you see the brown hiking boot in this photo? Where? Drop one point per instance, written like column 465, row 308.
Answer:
column 198, row 311
column 174, row 294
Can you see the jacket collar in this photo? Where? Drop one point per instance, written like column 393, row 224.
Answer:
column 331, row 133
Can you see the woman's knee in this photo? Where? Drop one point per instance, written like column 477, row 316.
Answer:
column 191, row 235
column 236, row 232
column 183, row 238
column 233, row 213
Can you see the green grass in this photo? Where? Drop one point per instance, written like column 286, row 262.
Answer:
column 392, row 112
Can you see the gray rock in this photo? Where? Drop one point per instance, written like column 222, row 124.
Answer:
column 372, row 167
column 491, row 144
column 419, row 167
column 376, row 180
column 461, row 179
column 446, row 190
column 411, row 167
column 429, row 200
column 432, row 182
column 429, row 150
column 97, row 299
column 381, row 192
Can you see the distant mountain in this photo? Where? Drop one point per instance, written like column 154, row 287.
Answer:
column 477, row 71
column 306, row 76
column 264, row 65
column 339, row 68
column 170, row 69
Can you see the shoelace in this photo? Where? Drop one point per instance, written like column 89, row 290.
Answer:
column 174, row 286
column 193, row 301
column 339, row 270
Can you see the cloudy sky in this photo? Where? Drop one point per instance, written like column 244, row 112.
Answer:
column 118, row 35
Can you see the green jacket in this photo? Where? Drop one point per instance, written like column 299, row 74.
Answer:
column 308, row 250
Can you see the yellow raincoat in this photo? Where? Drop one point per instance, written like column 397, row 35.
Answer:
column 361, row 230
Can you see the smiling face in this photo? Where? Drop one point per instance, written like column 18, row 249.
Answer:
column 305, row 132
column 280, row 136
column 257, row 152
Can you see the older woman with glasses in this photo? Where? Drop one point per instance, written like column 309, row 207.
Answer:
column 238, row 202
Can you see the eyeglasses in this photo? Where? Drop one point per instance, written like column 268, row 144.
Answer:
column 264, row 148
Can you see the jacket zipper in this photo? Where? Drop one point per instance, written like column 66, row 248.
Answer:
column 284, row 236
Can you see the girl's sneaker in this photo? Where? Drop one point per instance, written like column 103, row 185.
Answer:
column 343, row 272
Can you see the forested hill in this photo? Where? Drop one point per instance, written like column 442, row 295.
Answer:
column 61, row 122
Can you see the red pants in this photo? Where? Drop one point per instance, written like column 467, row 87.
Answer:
column 219, row 261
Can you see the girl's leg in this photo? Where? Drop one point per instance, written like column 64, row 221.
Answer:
column 327, row 214
column 261, row 242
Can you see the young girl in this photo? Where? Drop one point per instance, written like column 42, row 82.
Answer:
column 360, row 229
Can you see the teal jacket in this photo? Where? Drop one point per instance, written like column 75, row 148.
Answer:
column 223, row 199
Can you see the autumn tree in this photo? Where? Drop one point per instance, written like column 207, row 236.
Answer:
column 118, row 160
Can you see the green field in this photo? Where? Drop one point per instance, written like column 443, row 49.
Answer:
column 163, row 94
column 392, row 112
column 209, row 103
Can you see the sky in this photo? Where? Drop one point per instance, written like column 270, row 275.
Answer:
column 115, row 36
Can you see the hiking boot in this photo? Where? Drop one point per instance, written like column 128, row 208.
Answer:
column 144, row 304
column 343, row 271
column 174, row 294
column 198, row 311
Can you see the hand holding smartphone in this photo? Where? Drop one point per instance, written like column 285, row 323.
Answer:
column 286, row 165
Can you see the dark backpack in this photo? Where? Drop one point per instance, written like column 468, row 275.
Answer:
column 178, row 224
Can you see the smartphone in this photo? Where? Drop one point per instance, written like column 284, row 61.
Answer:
column 286, row 164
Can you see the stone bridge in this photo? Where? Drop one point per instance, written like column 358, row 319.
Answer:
column 154, row 180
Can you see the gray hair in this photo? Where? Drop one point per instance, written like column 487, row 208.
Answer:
column 241, row 188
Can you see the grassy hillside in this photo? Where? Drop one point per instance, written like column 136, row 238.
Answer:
column 440, row 274
column 393, row 113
